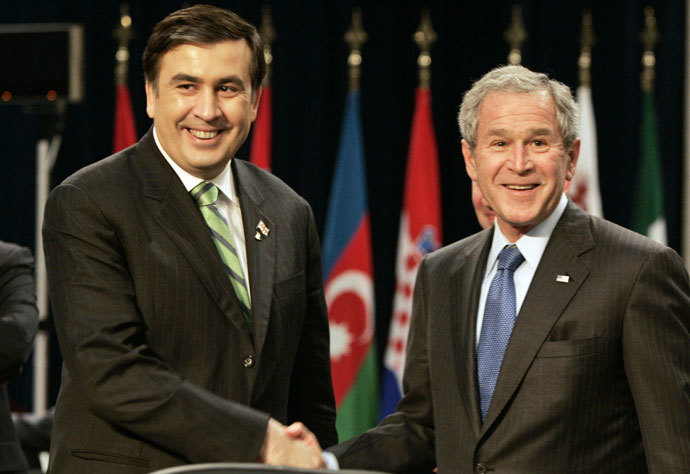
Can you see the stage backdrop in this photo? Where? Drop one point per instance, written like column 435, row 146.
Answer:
column 309, row 87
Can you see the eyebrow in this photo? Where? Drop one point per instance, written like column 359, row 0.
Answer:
column 542, row 131
column 502, row 132
column 233, row 79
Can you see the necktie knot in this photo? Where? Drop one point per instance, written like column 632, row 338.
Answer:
column 205, row 193
column 510, row 258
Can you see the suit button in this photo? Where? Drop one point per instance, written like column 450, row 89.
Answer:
column 248, row 361
column 481, row 468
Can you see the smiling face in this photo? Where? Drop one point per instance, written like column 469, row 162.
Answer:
column 203, row 104
column 520, row 161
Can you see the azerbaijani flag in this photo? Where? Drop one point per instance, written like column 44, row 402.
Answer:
column 349, row 284
column 260, row 153
column 420, row 233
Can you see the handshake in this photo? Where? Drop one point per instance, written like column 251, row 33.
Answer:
column 292, row 445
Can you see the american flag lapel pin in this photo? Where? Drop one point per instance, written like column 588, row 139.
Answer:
column 261, row 231
column 562, row 278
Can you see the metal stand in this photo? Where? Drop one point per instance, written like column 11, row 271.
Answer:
column 46, row 153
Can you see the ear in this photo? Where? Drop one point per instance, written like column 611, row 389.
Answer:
column 256, row 99
column 469, row 160
column 573, row 155
column 150, row 99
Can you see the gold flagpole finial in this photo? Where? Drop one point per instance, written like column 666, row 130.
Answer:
column 515, row 36
column 649, row 37
column 425, row 36
column 268, row 35
column 124, row 34
column 587, row 40
column 355, row 37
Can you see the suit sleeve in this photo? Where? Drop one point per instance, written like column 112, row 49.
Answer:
column 311, row 389
column 103, row 339
column 656, row 351
column 404, row 441
column 18, row 313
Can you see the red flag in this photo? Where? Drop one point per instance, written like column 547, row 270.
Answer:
column 124, row 130
column 420, row 233
column 261, row 137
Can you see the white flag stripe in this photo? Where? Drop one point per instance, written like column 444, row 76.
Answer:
column 584, row 189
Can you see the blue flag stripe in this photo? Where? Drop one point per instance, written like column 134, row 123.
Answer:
column 348, row 200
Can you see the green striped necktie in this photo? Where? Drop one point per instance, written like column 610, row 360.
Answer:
column 206, row 195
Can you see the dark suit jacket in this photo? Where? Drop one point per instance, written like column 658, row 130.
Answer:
column 159, row 366
column 18, row 324
column 595, row 378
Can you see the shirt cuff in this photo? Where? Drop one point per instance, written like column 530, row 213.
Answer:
column 330, row 461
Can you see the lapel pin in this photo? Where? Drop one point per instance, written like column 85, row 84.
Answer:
column 562, row 278
column 261, row 231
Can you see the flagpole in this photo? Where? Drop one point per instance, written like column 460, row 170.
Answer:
column 685, row 189
column 515, row 35
column 348, row 266
column 584, row 187
column 420, row 219
column 124, row 127
column 648, row 216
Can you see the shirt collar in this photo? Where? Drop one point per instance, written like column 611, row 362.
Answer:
column 533, row 243
column 224, row 180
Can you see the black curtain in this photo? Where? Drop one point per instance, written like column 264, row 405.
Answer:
column 310, row 82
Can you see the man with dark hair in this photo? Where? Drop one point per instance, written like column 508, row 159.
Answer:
column 553, row 341
column 18, row 324
column 185, row 284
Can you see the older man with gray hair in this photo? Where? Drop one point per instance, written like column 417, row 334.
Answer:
column 552, row 341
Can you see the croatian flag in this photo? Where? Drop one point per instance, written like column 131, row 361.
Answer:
column 420, row 233
column 349, row 284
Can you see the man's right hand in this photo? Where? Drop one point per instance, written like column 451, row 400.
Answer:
column 282, row 448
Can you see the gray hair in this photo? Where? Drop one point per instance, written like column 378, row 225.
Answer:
column 519, row 79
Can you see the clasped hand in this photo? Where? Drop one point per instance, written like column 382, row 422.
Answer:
column 292, row 445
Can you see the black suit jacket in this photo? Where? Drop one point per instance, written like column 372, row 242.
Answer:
column 159, row 366
column 595, row 378
column 18, row 324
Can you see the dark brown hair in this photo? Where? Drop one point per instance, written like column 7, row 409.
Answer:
column 202, row 25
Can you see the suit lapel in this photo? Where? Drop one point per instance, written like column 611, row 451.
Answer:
column 260, row 253
column 544, row 303
column 466, row 281
column 174, row 210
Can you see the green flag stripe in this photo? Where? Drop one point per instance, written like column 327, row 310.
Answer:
column 359, row 409
column 648, row 200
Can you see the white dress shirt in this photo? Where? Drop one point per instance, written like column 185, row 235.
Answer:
column 531, row 246
column 228, row 204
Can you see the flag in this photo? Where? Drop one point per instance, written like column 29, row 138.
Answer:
column 261, row 136
column 124, row 129
column 648, row 201
column 584, row 188
column 420, row 233
column 349, row 286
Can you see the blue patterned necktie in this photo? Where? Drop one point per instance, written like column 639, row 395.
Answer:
column 206, row 194
column 499, row 317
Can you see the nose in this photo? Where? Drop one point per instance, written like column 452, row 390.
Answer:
column 207, row 107
column 519, row 160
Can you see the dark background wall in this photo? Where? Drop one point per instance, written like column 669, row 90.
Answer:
column 309, row 79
